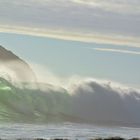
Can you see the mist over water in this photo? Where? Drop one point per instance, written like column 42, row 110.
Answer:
column 78, row 100
column 16, row 71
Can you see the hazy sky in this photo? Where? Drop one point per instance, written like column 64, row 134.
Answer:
column 68, row 58
column 107, row 21
column 93, row 38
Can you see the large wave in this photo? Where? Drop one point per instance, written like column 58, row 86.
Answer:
column 26, row 96
column 88, row 100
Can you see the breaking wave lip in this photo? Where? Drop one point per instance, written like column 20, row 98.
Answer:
column 89, row 100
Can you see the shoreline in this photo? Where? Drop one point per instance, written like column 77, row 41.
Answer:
column 99, row 138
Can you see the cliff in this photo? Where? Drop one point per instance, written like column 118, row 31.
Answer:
column 14, row 67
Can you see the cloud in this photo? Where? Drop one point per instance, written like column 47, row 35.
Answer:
column 74, row 36
column 120, row 6
column 117, row 51
column 91, row 21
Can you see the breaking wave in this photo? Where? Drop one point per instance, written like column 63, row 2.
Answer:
column 88, row 100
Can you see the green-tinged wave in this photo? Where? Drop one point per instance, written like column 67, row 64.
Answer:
column 26, row 104
column 90, row 101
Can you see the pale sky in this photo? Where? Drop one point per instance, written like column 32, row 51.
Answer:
column 106, row 21
column 68, row 58
column 92, row 38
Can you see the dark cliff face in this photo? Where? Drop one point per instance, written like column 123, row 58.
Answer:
column 6, row 55
column 19, row 68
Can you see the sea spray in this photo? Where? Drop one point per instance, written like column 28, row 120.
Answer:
column 25, row 98
column 91, row 101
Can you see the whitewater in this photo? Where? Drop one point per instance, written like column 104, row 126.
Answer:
column 79, row 108
column 90, row 100
column 65, row 130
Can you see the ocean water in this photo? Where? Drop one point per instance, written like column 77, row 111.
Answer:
column 64, row 130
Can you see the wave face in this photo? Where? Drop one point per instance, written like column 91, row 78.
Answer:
column 107, row 102
column 34, row 105
column 87, row 101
